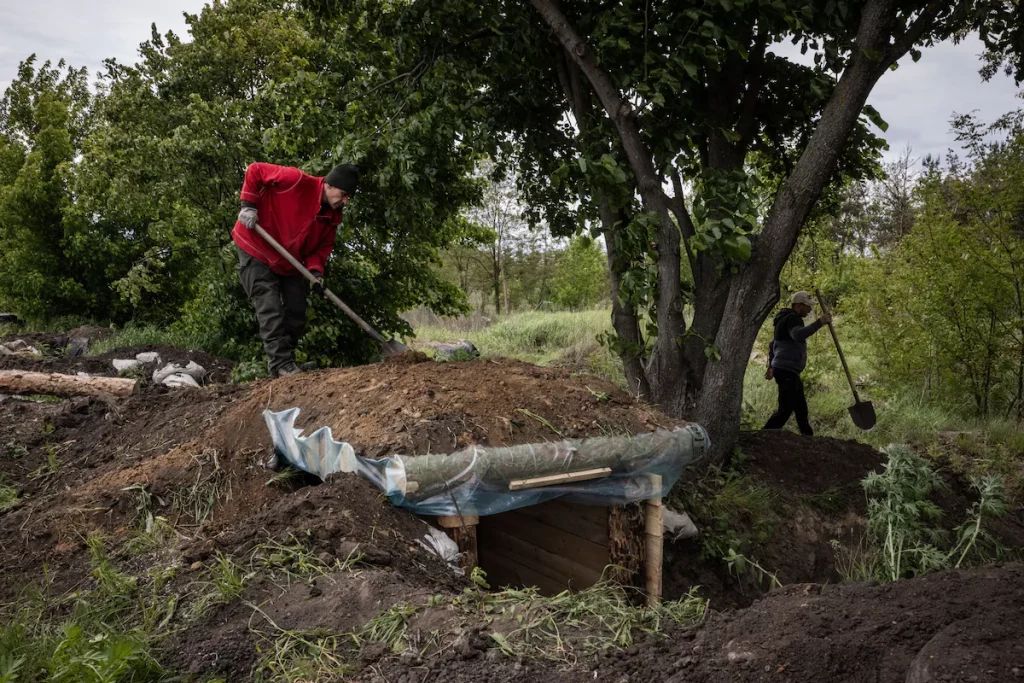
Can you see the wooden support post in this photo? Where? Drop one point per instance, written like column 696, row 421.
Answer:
column 626, row 548
column 462, row 530
column 654, row 540
column 23, row 382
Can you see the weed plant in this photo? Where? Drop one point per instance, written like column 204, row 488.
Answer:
column 903, row 536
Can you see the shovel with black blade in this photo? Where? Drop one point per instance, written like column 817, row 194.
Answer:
column 388, row 347
column 862, row 412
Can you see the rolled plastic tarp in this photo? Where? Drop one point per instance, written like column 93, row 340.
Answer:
column 479, row 480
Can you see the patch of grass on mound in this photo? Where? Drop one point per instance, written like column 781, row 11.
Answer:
column 572, row 625
column 102, row 634
column 519, row 622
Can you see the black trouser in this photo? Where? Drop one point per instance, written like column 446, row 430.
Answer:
column 791, row 400
column 280, row 302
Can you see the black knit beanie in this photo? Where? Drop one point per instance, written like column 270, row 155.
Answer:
column 345, row 177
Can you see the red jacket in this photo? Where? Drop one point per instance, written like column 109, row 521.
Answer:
column 289, row 205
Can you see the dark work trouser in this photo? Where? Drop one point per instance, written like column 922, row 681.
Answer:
column 280, row 302
column 791, row 400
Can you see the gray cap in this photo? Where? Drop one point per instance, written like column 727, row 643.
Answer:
column 803, row 297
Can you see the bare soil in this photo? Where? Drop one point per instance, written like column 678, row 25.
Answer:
column 80, row 464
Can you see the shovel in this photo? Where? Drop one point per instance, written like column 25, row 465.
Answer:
column 862, row 412
column 388, row 347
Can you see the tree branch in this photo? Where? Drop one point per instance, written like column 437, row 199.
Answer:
column 745, row 126
column 619, row 110
column 924, row 23
column 816, row 164
column 671, row 323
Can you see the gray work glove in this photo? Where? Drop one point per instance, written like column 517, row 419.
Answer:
column 318, row 286
column 247, row 217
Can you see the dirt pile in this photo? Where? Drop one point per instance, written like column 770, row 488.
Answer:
column 961, row 625
column 194, row 458
column 422, row 407
column 198, row 454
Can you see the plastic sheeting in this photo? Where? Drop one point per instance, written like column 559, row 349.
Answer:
column 475, row 481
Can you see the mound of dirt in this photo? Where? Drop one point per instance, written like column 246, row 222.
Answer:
column 413, row 407
column 800, row 465
column 961, row 625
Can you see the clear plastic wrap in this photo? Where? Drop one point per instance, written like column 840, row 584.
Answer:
column 482, row 480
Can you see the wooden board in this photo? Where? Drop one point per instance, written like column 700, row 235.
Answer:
column 553, row 565
column 553, row 546
column 589, row 522
column 503, row 571
column 555, row 479
column 549, row 538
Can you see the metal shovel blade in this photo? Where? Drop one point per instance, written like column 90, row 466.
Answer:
column 863, row 415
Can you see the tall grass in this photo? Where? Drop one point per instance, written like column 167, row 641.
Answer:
column 133, row 335
column 568, row 338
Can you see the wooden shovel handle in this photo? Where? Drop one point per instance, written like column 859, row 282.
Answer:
column 842, row 358
column 328, row 293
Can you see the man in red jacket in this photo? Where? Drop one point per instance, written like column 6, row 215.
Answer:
column 302, row 212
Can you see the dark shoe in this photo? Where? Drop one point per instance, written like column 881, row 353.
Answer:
column 308, row 366
column 288, row 369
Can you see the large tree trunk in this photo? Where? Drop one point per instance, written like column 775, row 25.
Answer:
column 729, row 310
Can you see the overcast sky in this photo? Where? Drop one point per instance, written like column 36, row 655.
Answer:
column 917, row 100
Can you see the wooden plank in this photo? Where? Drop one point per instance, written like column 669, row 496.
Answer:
column 626, row 548
column 556, row 566
column 554, row 479
column 466, row 538
column 454, row 522
column 551, row 539
column 654, row 541
column 586, row 521
column 598, row 514
column 520, row 574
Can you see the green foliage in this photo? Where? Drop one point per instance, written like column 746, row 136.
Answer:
column 119, row 204
column 50, row 265
column 103, row 635
column 250, row 370
column 903, row 538
column 535, row 337
column 943, row 309
column 581, row 280
column 734, row 512
column 8, row 493
column 571, row 624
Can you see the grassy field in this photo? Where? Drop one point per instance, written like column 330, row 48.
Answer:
column 559, row 338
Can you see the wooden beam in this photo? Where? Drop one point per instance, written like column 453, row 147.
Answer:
column 453, row 522
column 654, row 542
column 462, row 530
column 52, row 383
column 555, row 479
